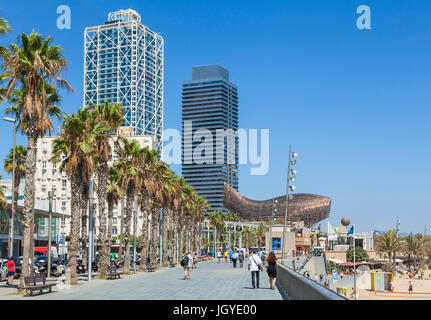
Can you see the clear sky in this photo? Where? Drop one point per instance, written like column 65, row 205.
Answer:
column 355, row 104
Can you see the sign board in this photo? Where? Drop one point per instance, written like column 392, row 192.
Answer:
column 276, row 243
column 60, row 239
column 334, row 274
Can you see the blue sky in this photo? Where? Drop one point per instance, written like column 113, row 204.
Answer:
column 355, row 104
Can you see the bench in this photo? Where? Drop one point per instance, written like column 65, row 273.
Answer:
column 37, row 282
column 149, row 268
column 113, row 273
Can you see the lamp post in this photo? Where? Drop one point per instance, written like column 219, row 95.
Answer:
column 135, row 208
column 11, row 216
column 91, row 226
column 274, row 212
column 50, row 196
column 290, row 176
column 345, row 222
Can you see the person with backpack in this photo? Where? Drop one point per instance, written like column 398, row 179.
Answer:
column 187, row 263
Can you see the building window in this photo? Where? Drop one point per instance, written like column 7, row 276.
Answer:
column 114, row 230
column 44, row 164
column 63, row 183
column 114, row 220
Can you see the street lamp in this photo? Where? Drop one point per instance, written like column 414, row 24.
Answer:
column 274, row 213
column 11, row 216
column 290, row 176
column 345, row 222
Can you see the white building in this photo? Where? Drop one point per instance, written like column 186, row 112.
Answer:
column 49, row 178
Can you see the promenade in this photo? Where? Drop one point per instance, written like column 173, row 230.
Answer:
column 210, row 281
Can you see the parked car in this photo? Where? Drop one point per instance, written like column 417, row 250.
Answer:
column 3, row 272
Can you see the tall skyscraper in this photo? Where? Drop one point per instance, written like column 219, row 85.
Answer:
column 123, row 63
column 209, row 140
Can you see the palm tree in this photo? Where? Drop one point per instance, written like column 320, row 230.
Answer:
column 76, row 143
column 409, row 246
column 4, row 26
column 20, row 160
column 389, row 243
column 112, row 115
column 260, row 232
column 246, row 231
column 3, row 200
column 130, row 157
column 30, row 64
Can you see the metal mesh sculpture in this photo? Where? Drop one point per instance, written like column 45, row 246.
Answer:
column 309, row 208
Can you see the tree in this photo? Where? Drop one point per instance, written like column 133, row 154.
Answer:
column 3, row 200
column 262, row 228
column 29, row 64
column 112, row 116
column 360, row 255
column 74, row 148
column 389, row 244
column 130, row 157
column 20, row 160
column 4, row 26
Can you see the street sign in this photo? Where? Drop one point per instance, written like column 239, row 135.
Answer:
column 276, row 243
column 334, row 274
column 60, row 239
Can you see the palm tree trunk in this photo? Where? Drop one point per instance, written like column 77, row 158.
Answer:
column 120, row 250
column 165, row 226
column 75, row 226
column 108, row 243
column 144, row 251
column 84, row 229
column 129, row 209
column 180, row 239
column 102, row 184
column 27, row 215
column 154, row 235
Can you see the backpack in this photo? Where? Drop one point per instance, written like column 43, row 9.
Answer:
column 185, row 261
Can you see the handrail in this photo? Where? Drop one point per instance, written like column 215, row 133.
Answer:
column 299, row 287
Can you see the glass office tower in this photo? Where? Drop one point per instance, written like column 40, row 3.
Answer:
column 209, row 108
column 123, row 63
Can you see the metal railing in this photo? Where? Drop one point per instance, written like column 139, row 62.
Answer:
column 298, row 287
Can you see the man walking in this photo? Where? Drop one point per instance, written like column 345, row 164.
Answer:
column 254, row 266
column 10, row 266
column 241, row 258
column 187, row 263
column 234, row 259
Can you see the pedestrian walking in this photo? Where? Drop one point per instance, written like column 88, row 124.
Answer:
column 241, row 258
column 272, row 269
column 218, row 256
column 341, row 275
column 321, row 278
column 195, row 261
column 187, row 262
column 255, row 266
column 225, row 256
column 315, row 277
column 10, row 266
column 234, row 259
column 230, row 255
column 410, row 287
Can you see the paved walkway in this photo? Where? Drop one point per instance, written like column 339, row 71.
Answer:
column 210, row 281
